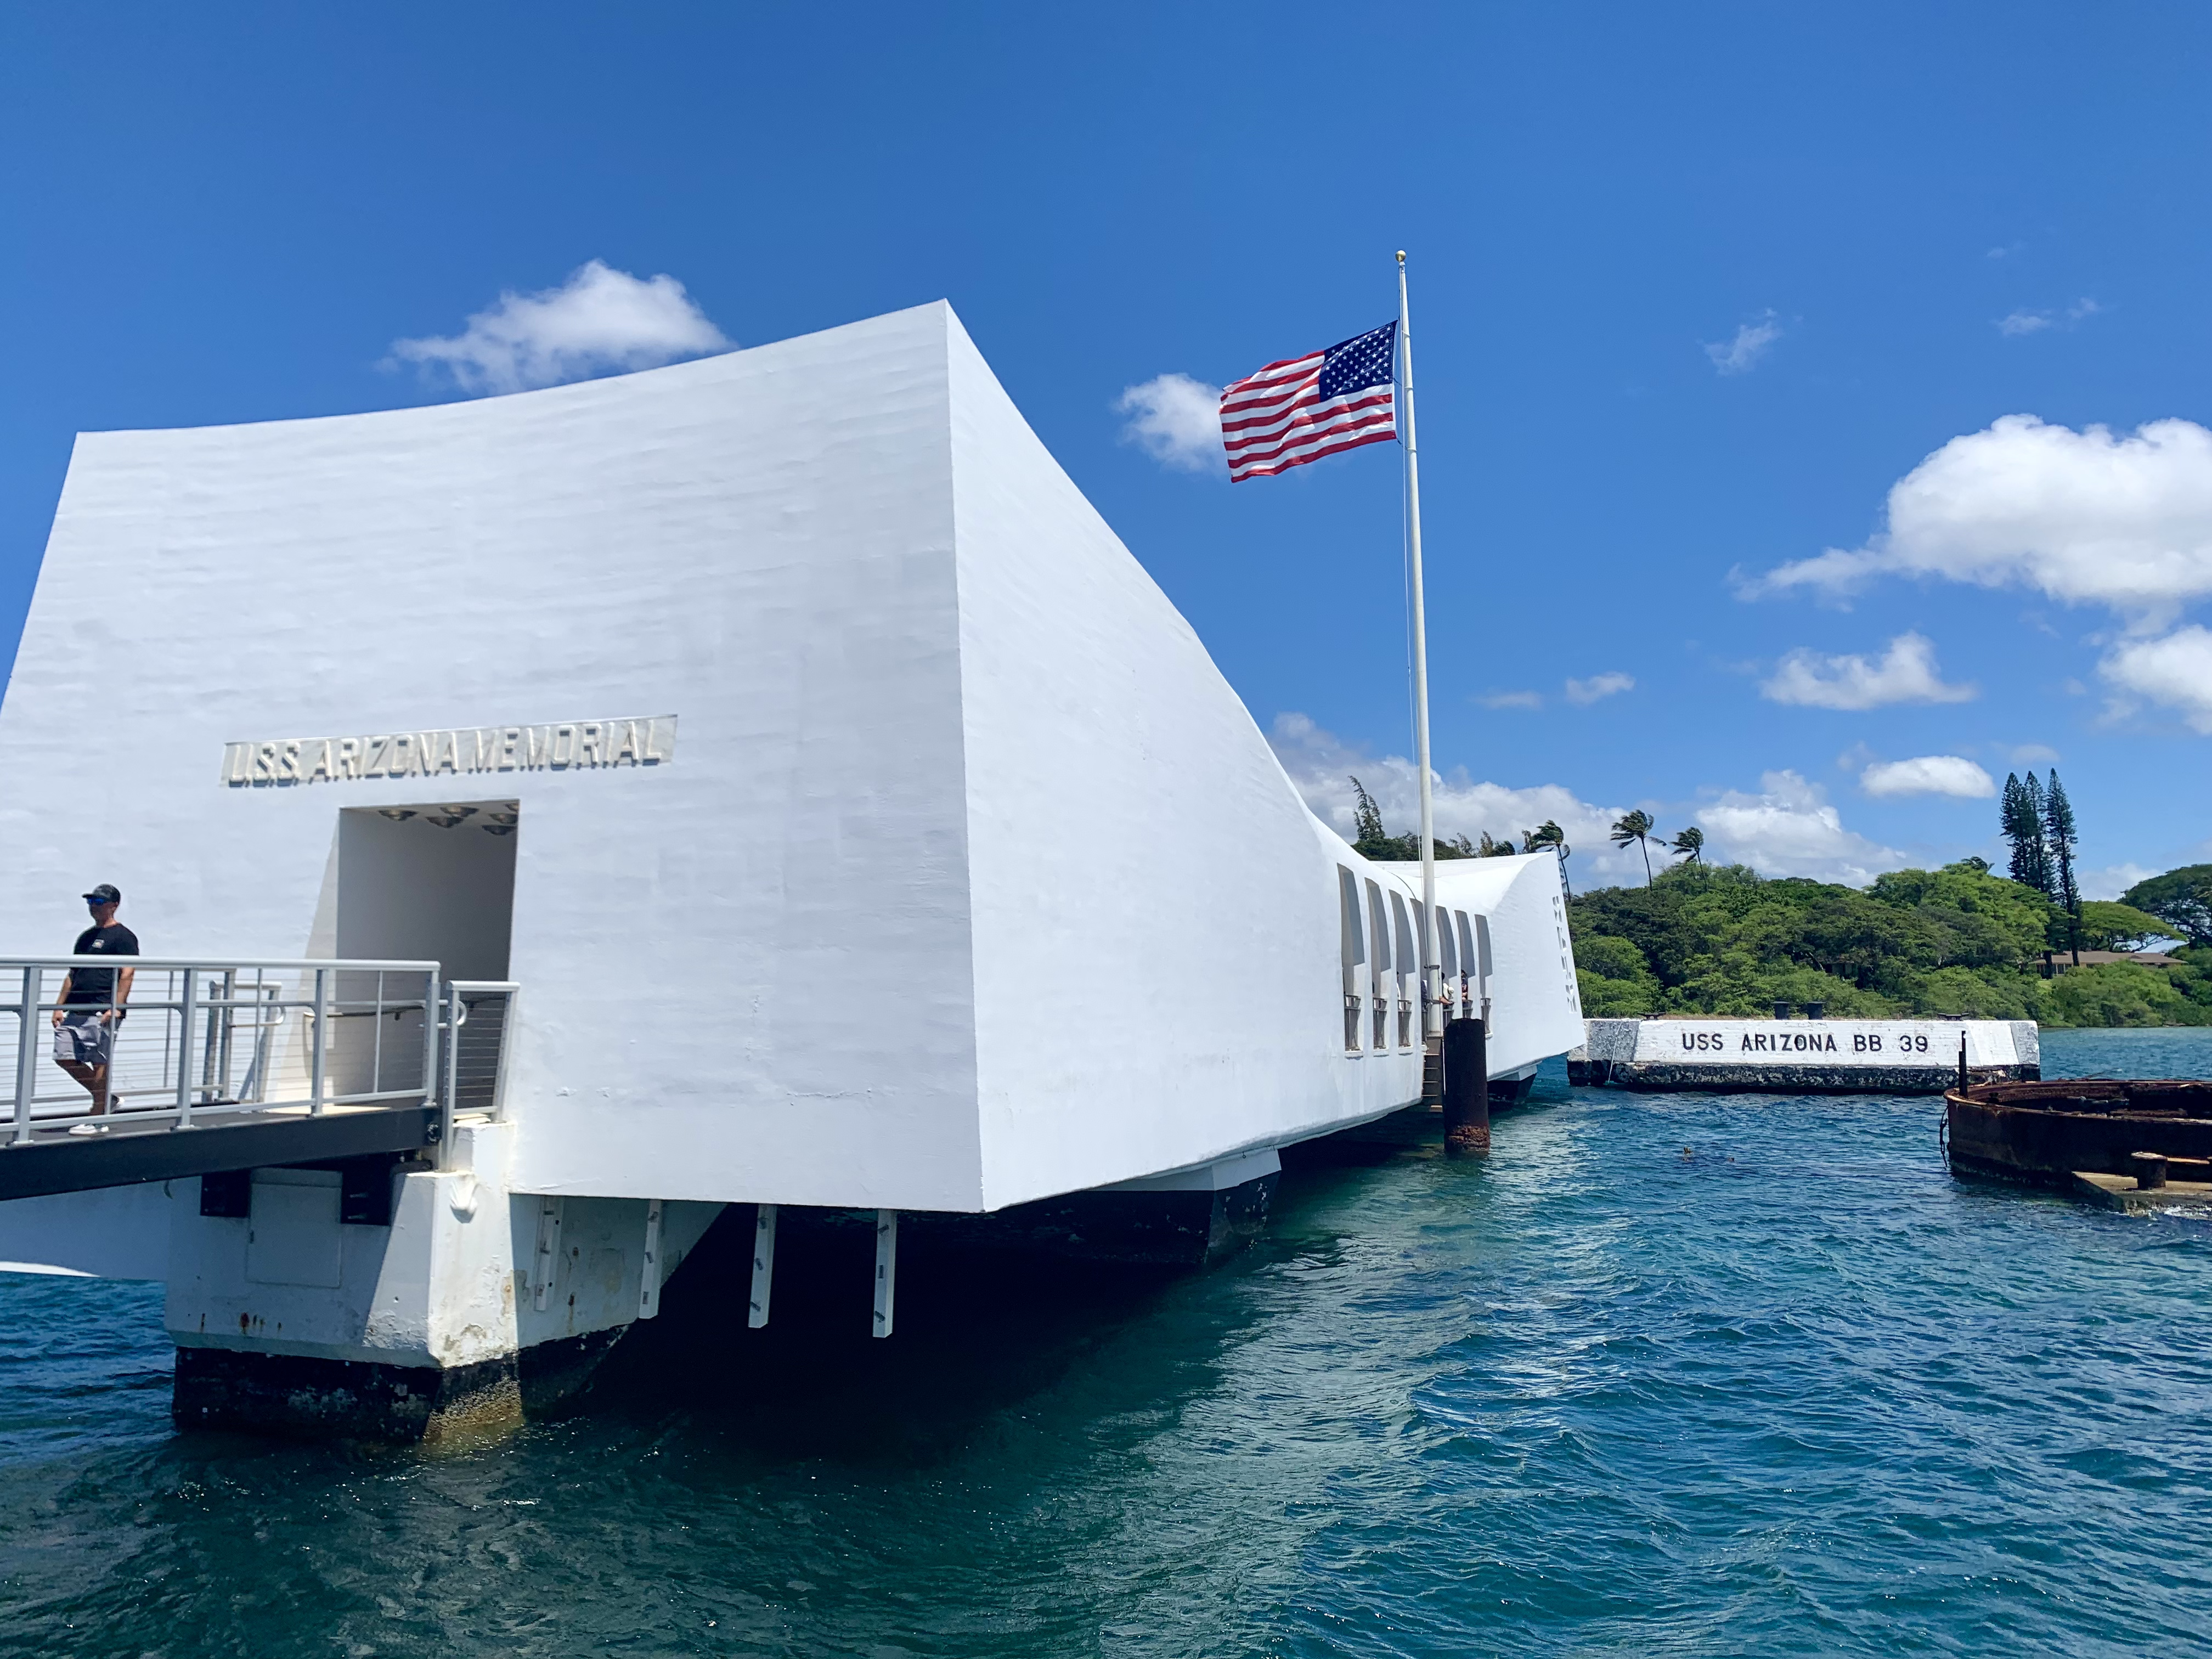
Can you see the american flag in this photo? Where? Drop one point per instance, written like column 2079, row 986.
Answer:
column 1301, row 410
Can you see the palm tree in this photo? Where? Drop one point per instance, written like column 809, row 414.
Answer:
column 1637, row 827
column 1549, row 833
column 1690, row 845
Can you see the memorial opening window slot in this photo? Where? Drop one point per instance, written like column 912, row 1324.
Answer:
column 1408, row 966
column 1475, row 960
column 1350, row 952
column 1378, row 929
column 1447, row 960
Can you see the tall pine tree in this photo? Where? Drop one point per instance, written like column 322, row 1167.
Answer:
column 2031, row 817
column 2022, row 814
column 2059, row 837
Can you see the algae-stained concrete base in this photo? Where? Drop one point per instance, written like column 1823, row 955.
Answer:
column 463, row 1307
column 2117, row 1192
column 295, row 1395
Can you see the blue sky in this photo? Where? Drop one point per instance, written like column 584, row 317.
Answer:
column 1695, row 288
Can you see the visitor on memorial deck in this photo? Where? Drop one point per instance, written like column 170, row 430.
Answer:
column 92, row 1004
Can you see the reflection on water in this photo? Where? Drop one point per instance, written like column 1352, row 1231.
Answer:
column 1677, row 1373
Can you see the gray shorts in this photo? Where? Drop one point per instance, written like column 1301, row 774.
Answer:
column 86, row 1039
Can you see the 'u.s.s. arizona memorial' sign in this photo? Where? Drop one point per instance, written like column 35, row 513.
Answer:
column 630, row 740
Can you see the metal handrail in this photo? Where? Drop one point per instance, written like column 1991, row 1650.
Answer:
column 467, row 994
column 366, row 964
column 183, row 1048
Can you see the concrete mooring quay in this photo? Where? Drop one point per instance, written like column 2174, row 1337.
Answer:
column 1802, row 1056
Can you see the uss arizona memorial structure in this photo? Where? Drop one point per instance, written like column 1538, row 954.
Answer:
column 858, row 825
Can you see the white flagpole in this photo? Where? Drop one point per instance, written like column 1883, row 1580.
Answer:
column 1431, row 963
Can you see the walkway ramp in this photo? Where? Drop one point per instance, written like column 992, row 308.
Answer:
column 219, row 1067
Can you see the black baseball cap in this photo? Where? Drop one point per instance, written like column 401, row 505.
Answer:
column 106, row 893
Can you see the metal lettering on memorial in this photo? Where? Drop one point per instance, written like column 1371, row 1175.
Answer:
column 559, row 746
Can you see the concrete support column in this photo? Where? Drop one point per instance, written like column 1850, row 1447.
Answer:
column 1466, row 1087
column 472, row 1303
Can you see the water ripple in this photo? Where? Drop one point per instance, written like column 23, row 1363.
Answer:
column 1667, row 1374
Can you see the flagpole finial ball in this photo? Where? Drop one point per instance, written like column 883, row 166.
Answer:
column 1402, row 256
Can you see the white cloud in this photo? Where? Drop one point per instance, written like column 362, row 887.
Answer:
column 1177, row 421
column 1321, row 764
column 600, row 321
column 1929, row 775
column 2176, row 670
column 1741, row 354
column 1789, row 828
column 2111, row 881
column 1786, row 830
column 1906, row 674
column 2033, row 754
column 2081, row 516
column 1598, row 686
column 2034, row 322
column 1512, row 699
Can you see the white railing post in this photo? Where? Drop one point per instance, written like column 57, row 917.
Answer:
column 430, row 1018
column 26, row 1051
column 228, row 1026
column 499, row 1067
column 376, row 1039
column 450, row 1084
column 321, row 1055
column 187, row 1005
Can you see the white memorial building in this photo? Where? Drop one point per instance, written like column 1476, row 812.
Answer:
column 858, row 824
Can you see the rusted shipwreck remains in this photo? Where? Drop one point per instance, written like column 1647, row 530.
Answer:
column 2120, row 1140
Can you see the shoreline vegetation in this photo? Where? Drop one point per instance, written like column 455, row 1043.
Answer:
column 1962, row 941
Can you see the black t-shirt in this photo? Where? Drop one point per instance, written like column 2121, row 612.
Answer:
column 98, row 984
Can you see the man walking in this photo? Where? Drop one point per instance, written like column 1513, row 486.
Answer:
column 92, row 1004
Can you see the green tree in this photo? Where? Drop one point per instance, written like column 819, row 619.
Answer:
column 1635, row 827
column 1366, row 818
column 1372, row 840
column 2021, row 818
column 2058, row 840
column 2182, row 898
column 1960, row 940
column 1614, row 979
column 1549, row 833
column 2107, row 926
column 1963, row 993
column 2117, row 993
column 1690, row 844
column 1984, row 920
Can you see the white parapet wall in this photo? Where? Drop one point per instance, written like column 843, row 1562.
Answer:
column 1784, row 1056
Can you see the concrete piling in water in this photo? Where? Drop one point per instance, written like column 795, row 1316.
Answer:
column 2150, row 1170
column 1466, row 1087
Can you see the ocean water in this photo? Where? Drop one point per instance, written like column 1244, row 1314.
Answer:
column 1663, row 1374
